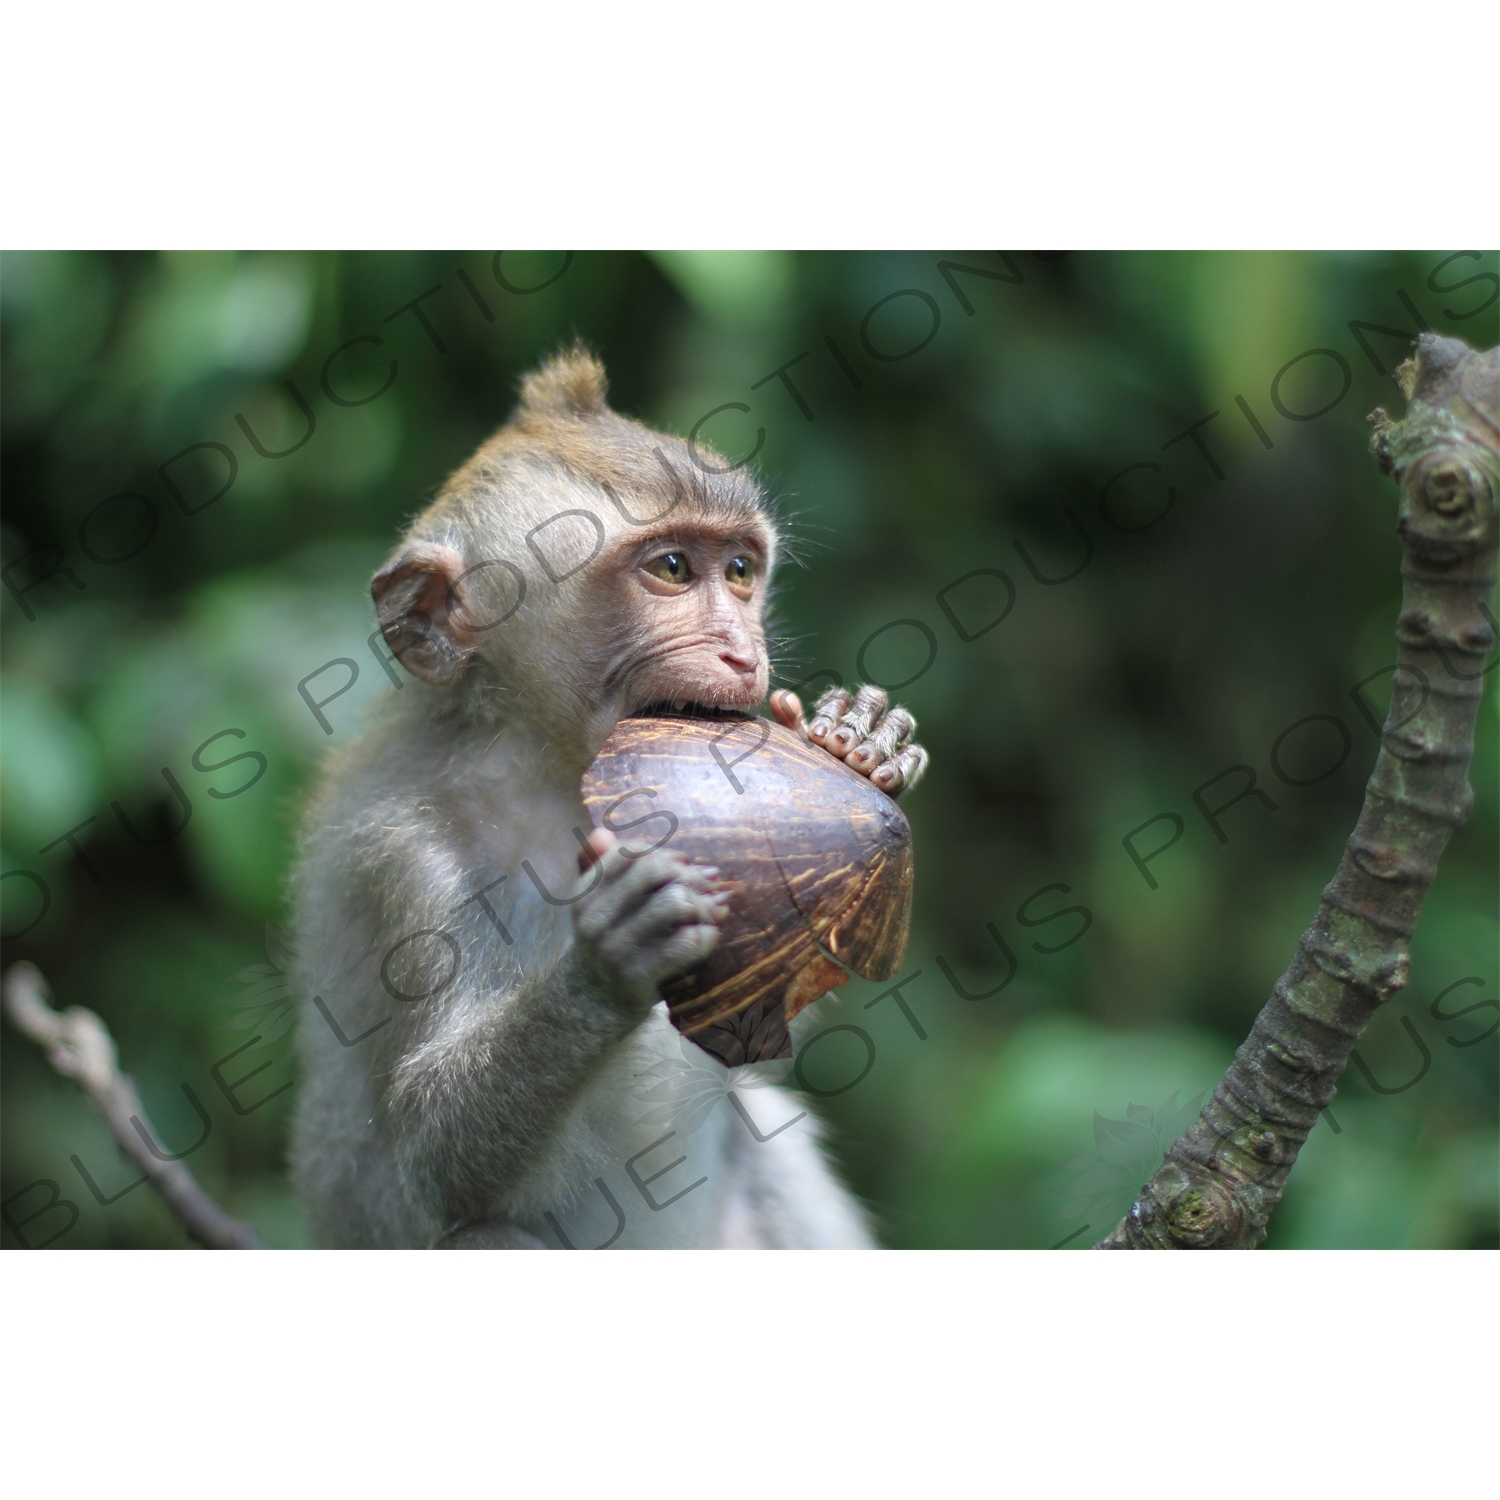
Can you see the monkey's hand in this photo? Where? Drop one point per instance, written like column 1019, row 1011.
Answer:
column 862, row 731
column 643, row 920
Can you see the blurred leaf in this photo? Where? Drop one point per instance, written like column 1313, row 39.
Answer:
column 49, row 766
column 741, row 288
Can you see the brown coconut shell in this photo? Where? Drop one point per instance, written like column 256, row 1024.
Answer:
column 816, row 861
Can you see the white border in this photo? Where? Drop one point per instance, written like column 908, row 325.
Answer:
column 812, row 125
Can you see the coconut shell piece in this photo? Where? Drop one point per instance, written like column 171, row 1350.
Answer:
column 817, row 864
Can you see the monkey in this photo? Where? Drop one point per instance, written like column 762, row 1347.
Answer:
column 477, row 966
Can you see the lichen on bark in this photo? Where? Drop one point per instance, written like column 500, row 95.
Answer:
column 1220, row 1182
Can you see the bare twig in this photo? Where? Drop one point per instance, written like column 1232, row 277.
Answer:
column 1218, row 1185
column 79, row 1046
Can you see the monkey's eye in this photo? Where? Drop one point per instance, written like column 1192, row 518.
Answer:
column 670, row 567
column 741, row 570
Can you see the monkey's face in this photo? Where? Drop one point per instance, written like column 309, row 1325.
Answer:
column 581, row 568
column 689, row 603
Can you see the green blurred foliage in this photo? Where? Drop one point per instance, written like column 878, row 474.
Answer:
column 1184, row 646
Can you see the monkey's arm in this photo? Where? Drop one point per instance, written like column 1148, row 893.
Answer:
column 477, row 1101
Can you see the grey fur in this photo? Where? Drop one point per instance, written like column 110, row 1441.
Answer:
column 470, row 1087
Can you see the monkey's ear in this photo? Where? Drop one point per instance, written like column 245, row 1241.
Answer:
column 570, row 384
column 421, row 603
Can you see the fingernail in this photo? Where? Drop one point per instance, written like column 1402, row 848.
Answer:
column 819, row 727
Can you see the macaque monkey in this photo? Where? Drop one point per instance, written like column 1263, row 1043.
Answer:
column 479, row 969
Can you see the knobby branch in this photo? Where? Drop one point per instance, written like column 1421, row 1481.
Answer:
column 79, row 1046
column 1219, row 1184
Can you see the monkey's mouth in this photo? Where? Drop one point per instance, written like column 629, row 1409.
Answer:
column 685, row 708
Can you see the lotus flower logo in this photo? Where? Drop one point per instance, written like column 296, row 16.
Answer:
column 1103, row 1182
column 267, row 1003
column 683, row 1097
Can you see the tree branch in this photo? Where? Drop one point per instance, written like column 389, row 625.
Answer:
column 1218, row 1185
column 79, row 1046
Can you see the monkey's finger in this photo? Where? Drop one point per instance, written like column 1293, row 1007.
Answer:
column 631, row 894
column 598, row 869
column 901, row 773
column 787, row 708
column 627, row 884
column 668, row 909
column 891, row 734
column 599, row 842
column 827, row 713
column 869, row 704
column 686, row 947
column 702, row 882
column 903, row 722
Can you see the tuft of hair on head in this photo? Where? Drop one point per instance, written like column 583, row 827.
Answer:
column 572, row 383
